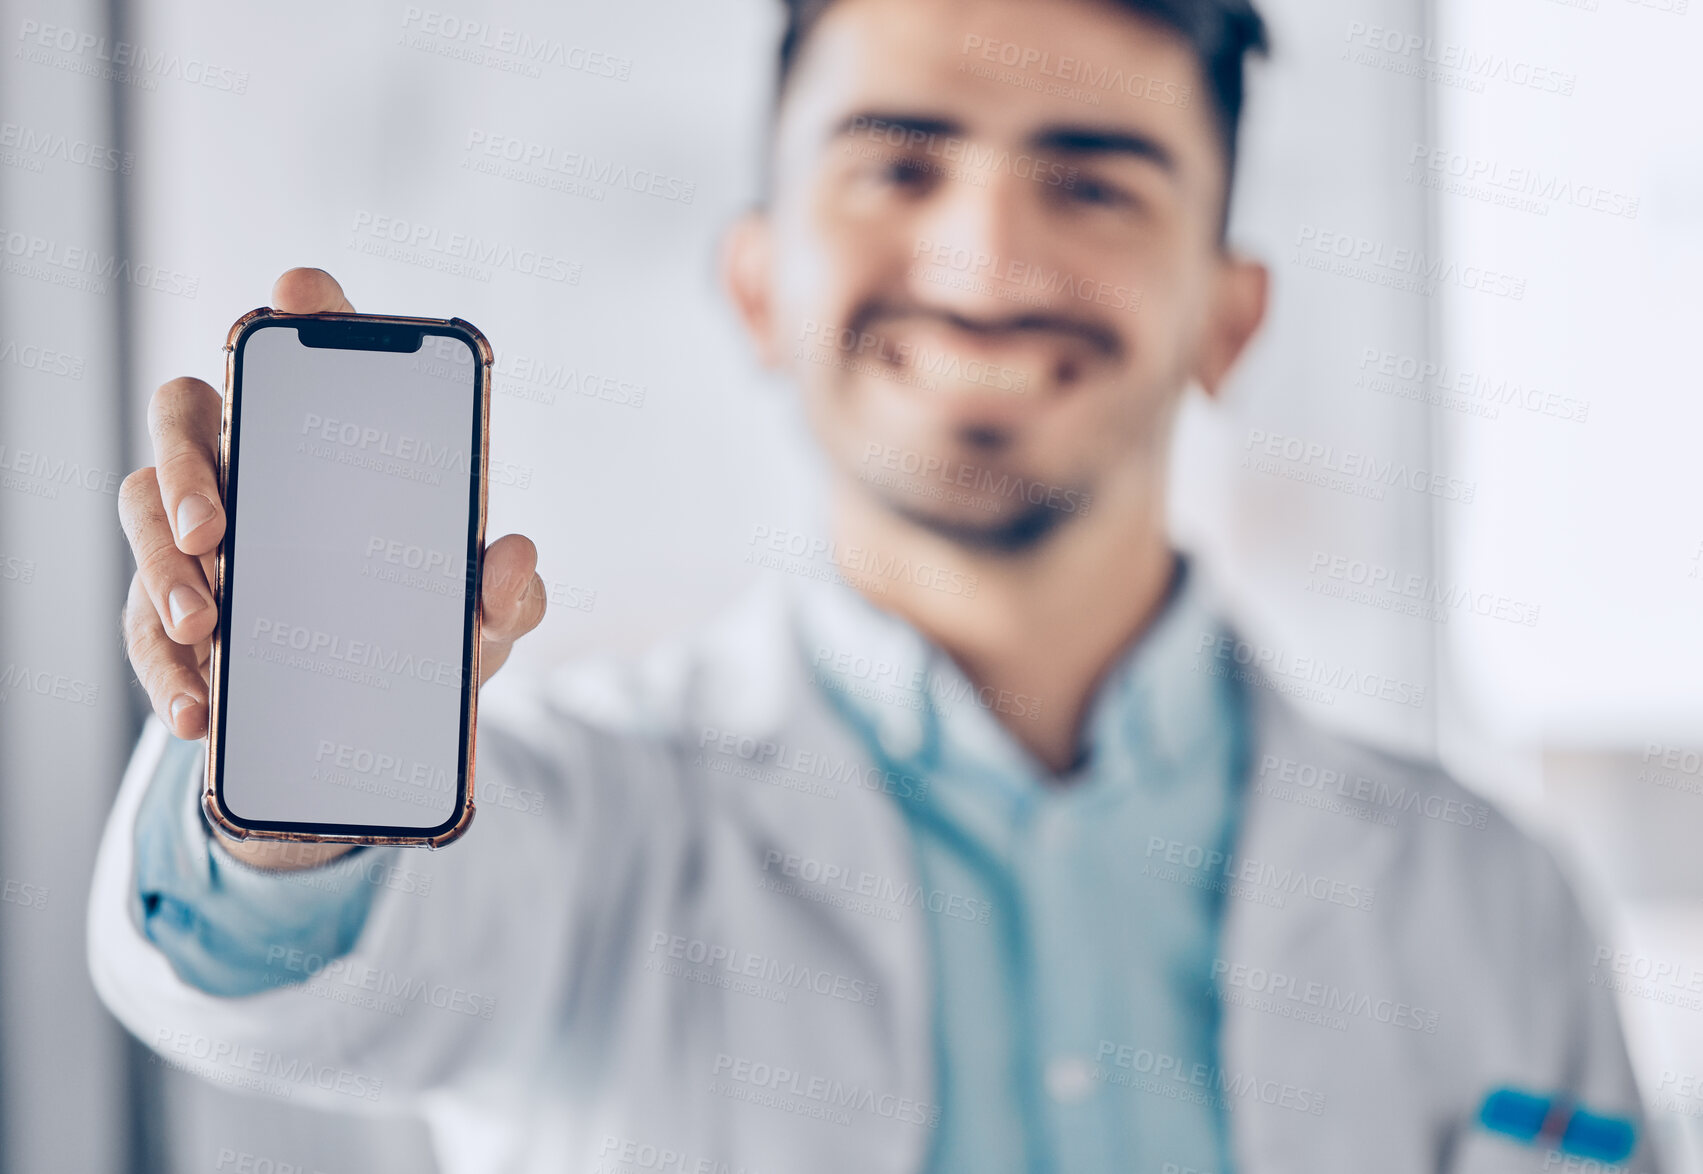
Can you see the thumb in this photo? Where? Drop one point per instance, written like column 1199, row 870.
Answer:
column 309, row 291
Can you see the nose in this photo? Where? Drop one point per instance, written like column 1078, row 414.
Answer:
column 971, row 252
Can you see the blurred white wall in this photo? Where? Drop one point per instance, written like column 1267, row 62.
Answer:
column 1271, row 482
column 65, row 719
column 1567, row 153
column 1594, row 197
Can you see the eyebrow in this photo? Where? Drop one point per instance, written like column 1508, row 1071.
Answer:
column 885, row 121
column 1093, row 140
column 1062, row 140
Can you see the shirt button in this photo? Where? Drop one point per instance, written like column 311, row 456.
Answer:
column 1069, row 1079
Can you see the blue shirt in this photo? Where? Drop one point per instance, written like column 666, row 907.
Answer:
column 1059, row 938
column 226, row 926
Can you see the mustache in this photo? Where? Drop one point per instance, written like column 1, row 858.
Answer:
column 1102, row 340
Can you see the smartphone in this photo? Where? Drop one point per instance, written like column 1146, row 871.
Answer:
column 345, row 668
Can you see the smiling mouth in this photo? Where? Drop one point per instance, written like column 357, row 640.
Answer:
column 995, row 385
column 1026, row 358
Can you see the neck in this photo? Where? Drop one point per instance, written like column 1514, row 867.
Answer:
column 1044, row 626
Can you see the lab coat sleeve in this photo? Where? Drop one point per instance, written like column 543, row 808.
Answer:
column 226, row 927
column 468, row 973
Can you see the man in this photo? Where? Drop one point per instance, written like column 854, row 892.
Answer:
column 982, row 857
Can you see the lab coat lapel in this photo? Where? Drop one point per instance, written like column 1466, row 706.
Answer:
column 1350, row 1087
column 760, row 688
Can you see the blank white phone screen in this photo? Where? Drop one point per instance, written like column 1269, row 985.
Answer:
column 348, row 576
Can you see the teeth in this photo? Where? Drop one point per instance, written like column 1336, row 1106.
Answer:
column 951, row 368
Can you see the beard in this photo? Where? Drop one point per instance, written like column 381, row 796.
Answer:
column 999, row 529
column 1014, row 534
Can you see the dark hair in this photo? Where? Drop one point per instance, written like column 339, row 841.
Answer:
column 1220, row 32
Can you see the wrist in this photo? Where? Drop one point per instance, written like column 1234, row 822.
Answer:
column 280, row 856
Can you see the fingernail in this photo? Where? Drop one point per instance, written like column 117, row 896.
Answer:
column 184, row 602
column 193, row 512
column 180, row 703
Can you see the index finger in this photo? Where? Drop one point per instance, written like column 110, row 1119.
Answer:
column 309, row 291
column 183, row 420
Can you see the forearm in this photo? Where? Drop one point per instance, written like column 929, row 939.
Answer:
column 276, row 857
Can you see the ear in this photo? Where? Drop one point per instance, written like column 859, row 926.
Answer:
column 1238, row 308
column 747, row 252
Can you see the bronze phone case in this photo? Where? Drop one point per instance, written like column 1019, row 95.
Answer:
column 212, row 801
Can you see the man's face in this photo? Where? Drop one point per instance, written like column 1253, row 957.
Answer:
column 991, row 280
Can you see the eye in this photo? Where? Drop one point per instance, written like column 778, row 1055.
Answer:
column 1099, row 193
column 905, row 173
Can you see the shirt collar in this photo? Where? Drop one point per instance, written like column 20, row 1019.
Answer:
column 1153, row 712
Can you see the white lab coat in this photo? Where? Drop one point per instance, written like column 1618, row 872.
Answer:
column 603, row 825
